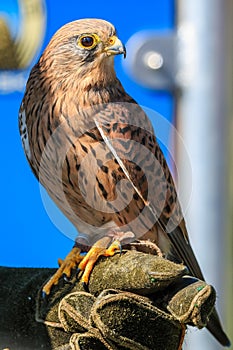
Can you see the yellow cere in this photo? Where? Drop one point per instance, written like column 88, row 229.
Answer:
column 112, row 40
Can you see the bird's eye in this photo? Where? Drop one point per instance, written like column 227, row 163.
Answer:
column 88, row 41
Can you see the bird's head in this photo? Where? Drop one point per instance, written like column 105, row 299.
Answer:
column 83, row 48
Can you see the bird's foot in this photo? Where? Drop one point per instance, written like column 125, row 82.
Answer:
column 100, row 248
column 65, row 268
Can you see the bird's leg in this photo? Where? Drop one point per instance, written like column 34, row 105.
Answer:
column 100, row 248
column 65, row 267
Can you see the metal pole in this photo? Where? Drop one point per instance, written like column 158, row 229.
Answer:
column 229, row 154
column 202, row 121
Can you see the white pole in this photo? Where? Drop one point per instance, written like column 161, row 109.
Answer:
column 202, row 119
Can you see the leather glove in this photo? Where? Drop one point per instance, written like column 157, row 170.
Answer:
column 135, row 301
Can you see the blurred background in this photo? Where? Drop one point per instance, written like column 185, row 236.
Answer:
column 179, row 64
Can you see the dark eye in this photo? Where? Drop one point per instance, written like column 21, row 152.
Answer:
column 88, row 41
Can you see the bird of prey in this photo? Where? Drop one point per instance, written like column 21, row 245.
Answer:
column 94, row 150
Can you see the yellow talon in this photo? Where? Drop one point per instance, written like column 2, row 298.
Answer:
column 114, row 247
column 65, row 268
column 100, row 248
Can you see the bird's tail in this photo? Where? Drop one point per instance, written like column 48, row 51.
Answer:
column 214, row 326
column 183, row 251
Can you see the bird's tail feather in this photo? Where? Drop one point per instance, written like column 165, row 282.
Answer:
column 214, row 326
column 182, row 251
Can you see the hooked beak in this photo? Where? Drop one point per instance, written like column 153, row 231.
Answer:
column 116, row 47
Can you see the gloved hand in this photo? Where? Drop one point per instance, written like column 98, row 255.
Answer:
column 136, row 301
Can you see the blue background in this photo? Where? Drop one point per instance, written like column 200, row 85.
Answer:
column 28, row 237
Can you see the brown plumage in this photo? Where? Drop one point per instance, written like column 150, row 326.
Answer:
column 93, row 148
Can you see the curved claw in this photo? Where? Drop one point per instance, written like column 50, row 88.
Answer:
column 43, row 294
column 66, row 278
column 85, row 287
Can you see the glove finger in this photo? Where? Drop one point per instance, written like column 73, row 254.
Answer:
column 192, row 301
column 134, row 323
column 89, row 341
column 135, row 272
column 74, row 310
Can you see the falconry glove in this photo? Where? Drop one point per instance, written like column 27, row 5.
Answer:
column 135, row 301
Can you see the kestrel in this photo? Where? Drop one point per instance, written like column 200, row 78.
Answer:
column 94, row 150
